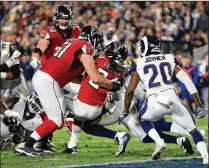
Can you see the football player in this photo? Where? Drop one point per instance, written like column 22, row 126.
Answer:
column 12, row 79
column 91, row 98
column 53, row 37
column 156, row 71
column 75, row 56
column 18, row 115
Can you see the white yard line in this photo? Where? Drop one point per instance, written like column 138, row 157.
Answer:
column 117, row 163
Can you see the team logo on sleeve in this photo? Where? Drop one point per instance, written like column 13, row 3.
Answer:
column 44, row 34
column 90, row 50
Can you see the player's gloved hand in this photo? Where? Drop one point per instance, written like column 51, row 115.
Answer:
column 35, row 63
column 200, row 111
column 12, row 114
column 116, row 86
column 122, row 116
column 16, row 54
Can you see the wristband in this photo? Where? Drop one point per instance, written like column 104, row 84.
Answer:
column 3, row 75
column 38, row 51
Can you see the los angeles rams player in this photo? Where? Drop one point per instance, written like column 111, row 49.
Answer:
column 13, row 126
column 156, row 71
column 11, row 77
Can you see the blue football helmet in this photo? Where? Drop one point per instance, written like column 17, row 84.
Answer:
column 149, row 45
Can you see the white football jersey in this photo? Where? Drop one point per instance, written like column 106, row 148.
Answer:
column 156, row 72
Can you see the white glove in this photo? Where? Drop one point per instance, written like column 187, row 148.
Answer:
column 12, row 61
column 34, row 62
column 12, row 114
column 16, row 54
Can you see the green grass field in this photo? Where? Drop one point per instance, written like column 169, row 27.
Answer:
column 92, row 150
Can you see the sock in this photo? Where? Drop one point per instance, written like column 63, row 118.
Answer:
column 76, row 131
column 147, row 139
column 175, row 128
column 98, row 130
column 43, row 116
column 147, row 126
column 200, row 142
column 162, row 125
column 155, row 136
column 201, row 146
column 168, row 138
column 197, row 137
column 31, row 141
column 44, row 129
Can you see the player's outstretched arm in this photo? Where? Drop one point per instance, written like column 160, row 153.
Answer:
column 93, row 72
column 184, row 78
column 130, row 90
column 42, row 46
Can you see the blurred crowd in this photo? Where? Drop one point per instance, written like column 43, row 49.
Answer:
column 182, row 26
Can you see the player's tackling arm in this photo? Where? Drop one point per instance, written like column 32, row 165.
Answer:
column 130, row 90
column 93, row 72
column 184, row 78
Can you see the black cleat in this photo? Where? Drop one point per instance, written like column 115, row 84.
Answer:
column 186, row 144
column 26, row 150
column 72, row 151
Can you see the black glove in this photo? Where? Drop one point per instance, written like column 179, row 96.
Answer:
column 115, row 86
column 200, row 111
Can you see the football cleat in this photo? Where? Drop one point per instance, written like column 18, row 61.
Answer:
column 158, row 150
column 26, row 150
column 44, row 147
column 186, row 144
column 72, row 151
column 122, row 139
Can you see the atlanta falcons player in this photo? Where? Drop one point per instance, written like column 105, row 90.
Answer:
column 53, row 37
column 91, row 98
column 156, row 71
column 75, row 56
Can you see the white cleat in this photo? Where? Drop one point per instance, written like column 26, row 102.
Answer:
column 158, row 150
column 205, row 160
column 122, row 139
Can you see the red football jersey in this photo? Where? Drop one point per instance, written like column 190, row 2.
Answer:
column 56, row 39
column 65, row 64
column 90, row 92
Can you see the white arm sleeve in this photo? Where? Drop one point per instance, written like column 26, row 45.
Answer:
column 184, row 78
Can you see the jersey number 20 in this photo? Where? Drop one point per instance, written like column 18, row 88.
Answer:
column 163, row 74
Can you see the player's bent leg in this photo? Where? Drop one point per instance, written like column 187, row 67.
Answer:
column 52, row 99
column 72, row 144
column 148, row 114
column 182, row 113
column 133, row 124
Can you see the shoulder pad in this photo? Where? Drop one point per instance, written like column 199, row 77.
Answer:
column 133, row 67
column 47, row 32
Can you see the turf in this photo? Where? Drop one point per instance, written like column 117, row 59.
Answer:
column 94, row 150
